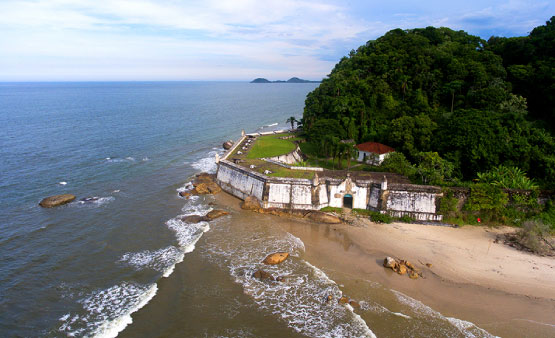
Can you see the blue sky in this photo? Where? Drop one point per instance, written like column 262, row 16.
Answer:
column 97, row 40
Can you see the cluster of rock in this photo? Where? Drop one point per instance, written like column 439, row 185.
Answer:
column 271, row 259
column 252, row 203
column 344, row 300
column 203, row 184
column 402, row 267
column 206, row 218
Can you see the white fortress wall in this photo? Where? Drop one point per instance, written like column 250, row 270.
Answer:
column 291, row 158
column 359, row 197
column 375, row 192
column 411, row 201
column 239, row 182
column 279, row 193
column 301, row 194
column 336, row 196
column 323, row 195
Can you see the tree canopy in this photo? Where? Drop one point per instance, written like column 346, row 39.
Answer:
column 445, row 91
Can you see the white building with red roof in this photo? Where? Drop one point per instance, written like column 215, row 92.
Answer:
column 373, row 152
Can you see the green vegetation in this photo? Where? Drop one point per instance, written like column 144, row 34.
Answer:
column 452, row 103
column 533, row 236
column 332, row 209
column 530, row 61
column 271, row 145
column 507, row 177
column 380, row 218
column 291, row 120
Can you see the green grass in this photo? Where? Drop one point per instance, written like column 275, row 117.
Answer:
column 270, row 146
column 332, row 209
column 284, row 172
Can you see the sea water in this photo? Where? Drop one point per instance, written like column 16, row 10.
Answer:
column 119, row 260
column 82, row 268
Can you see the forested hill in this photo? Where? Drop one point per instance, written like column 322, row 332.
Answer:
column 435, row 89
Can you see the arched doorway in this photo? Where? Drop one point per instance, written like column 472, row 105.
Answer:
column 348, row 201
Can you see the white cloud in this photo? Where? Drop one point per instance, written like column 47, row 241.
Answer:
column 215, row 39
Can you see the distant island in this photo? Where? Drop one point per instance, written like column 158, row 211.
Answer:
column 291, row 80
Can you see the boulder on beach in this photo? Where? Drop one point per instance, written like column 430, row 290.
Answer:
column 250, row 203
column 402, row 267
column 216, row 214
column 227, row 145
column 214, row 188
column 275, row 258
column 323, row 217
column 389, row 262
column 206, row 188
column 262, row 275
column 203, row 178
column 194, row 219
column 54, row 201
column 413, row 275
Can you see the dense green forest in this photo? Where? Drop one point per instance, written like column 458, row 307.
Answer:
column 479, row 105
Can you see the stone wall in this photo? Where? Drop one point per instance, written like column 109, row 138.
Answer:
column 417, row 201
column 293, row 157
column 239, row 181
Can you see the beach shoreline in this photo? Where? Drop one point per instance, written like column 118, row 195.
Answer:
column 502, row 290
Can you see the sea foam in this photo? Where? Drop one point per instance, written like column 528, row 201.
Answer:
column 299, row 301
column 107, row 312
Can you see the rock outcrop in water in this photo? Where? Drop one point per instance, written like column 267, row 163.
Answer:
column 56, row 200
column 194, row 219
column 275, row 258
column 216, row 214
column 227, row 145
column 203, row 185
column 402, row 267
column 262, row 275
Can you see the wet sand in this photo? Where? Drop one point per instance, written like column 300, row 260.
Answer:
column 503, row 291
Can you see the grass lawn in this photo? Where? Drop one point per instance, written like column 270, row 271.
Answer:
column 270, row 146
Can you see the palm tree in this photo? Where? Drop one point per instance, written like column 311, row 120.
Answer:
column 291, row 120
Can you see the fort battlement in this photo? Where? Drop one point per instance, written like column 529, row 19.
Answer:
column 372, row 192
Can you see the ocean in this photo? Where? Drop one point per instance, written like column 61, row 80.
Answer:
column 124, row 263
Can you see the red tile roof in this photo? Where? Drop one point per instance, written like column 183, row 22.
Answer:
column 375, row 147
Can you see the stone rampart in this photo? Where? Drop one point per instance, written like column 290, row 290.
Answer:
column 291, row 158
column 417, row 201
column 239, row 181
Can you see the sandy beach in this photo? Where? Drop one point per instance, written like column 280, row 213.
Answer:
column 504, row 291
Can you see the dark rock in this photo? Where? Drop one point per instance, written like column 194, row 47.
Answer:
column 194, row 219
column 227, row 145
column 216, row 214
column 323, row 217
column 184, row 193
column 206, row 188
column 54, row 201
column 262, row 275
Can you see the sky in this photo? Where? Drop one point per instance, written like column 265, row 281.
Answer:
column 220, row 40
